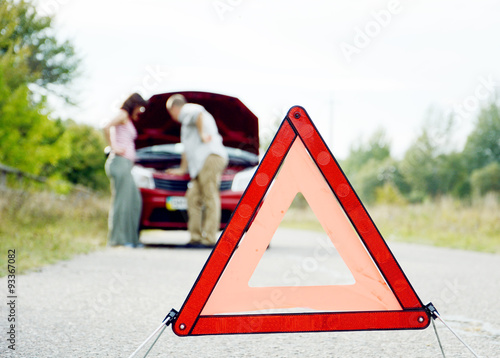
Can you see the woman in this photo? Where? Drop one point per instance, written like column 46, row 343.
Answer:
column 125, row 212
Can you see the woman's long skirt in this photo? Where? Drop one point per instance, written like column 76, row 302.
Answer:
column 125, row 211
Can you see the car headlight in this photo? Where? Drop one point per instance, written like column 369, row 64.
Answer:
column 242, row 179
column 143, row 177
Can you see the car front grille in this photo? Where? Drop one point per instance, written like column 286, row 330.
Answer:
column 171, row 185
column 182, row 185
column 160, row 215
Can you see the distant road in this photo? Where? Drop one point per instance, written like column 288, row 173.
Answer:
column 106, row 303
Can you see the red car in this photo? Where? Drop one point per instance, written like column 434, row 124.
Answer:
column 158, row 148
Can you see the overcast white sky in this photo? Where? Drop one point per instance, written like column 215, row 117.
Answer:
column 354, row 65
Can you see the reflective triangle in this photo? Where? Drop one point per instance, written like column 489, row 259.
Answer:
column 222, row 302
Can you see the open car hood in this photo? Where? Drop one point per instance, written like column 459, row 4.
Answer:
column 237, row 125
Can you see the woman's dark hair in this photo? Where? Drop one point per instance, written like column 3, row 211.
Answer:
column 135, row 100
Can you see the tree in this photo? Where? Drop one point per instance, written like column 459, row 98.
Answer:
column 85, row 165
column 378, row 148
column 419, row 167
column 369, row 166
column 452, row 176
column 483, row 144
column 31, row 56
column 29, row 141
column 430, row 166
column 37, row 56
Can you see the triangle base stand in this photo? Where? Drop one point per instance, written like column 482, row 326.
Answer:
column 435, row 315
column 171, row 316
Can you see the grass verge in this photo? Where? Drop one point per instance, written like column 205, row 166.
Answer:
column 445, row 222
column 45, row 228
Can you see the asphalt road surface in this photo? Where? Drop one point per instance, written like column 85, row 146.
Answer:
column 107, row 303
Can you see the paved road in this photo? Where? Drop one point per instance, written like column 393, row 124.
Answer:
column 106, row 303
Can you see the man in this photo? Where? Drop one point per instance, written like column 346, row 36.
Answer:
column 204, row 158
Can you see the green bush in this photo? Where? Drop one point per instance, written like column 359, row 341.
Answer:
column 389, row 194
column 85, row 164
column 486, row 179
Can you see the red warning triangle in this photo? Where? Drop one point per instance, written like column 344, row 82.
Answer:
column 222, row 302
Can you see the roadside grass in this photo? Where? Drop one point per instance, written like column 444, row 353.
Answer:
column 445, row 222
column 44, row 227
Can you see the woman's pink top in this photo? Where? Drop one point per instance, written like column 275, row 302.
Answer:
column 125, row 135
